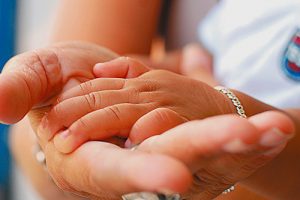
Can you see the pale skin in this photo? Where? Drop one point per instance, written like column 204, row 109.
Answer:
column 89, row 36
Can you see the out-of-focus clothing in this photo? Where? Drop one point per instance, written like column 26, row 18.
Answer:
column 256, row 48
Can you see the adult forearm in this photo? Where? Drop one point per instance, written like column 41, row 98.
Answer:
column 123, row 26
column 22, row 144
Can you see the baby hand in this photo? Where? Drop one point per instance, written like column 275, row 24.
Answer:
column 136, row 108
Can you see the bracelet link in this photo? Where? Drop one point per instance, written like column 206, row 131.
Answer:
column 235, row 101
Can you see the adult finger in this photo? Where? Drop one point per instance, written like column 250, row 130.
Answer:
column 33, row 78
column 104, row 170
column 26, row 80
column 270, row 119
column 230, row 148
column 195, row 57
column 196, row 63
column 123, row 67
column 101, row 124
column 153, row 123
column 195, row 141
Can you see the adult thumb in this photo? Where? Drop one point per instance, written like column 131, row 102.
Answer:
column 26, row 80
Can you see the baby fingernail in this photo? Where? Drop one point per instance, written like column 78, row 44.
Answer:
column 274, row 137
column 236, row 146
column 64, row 134
column 98, row 65
column 128, row 143
column 43, row 131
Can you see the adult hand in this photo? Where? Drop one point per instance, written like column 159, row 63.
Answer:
column 106, row 171
column 244, row 161
column 197, row 63
column 223, row 150
column 31, row 81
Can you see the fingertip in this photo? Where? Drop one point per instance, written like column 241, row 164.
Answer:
column 98, row 70
column 273, row 119
column 195, row 58
column 64, row 142
column 128, row 144
column 274, row 138
column 115, row 68
column 122, row 67
column 14, row 101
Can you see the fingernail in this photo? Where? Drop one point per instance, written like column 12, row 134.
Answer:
column 43, row 131
column 274, row 137
column 97, row 69
column 236, row 146
column 98, row 65
column 64, row 134
column 128, row 144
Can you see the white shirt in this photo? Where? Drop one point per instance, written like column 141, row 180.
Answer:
column 248, row 39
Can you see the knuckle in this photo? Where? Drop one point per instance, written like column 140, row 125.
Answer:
column 81, row 124
column 143, row 85
column 162, row 114
column 133, row 95
column 114, row 111
column 91, row 100
column 86, row 87
column 150, row 85
column 124, row 83
column 57, row 113
column 46, row 65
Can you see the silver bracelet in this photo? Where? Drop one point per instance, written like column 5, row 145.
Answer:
column 240, row 111
column 232, row 188
column 236, row 102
